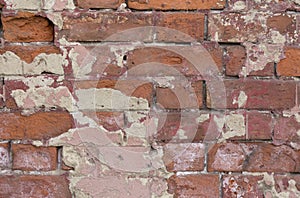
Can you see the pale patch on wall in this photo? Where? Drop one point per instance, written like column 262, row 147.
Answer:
column 109, row 99
column 11, row 64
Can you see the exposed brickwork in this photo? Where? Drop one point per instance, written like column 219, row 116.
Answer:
column 27, row 157
column 149, row 98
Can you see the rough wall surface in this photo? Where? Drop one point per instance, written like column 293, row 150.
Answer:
column 150, row 98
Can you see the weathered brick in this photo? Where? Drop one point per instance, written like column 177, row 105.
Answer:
column 85, row 26
column 236, row 27
column 260, row 125
column 168, row 58
column 34, row 186
column 4, row 156
column 184, row 127
column 204, row 185
column 99, row 3
column 286, row 130
column 41, row 125
column 289, row 66
column 184, row 157
column 235, row 60
column 176, row 4
column 31, row 158
column 135, row 88
column 255, row 94
column 112, row 121
column 28, row 53
column 253, row 61
column 253, row 157
column 181, row 96
column 246, row 186
column 181, row 27
column 27, row 27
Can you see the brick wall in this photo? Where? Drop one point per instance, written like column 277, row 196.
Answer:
column 149, row 98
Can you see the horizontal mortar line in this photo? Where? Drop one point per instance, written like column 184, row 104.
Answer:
column 152, row 43
column 37, row 173
column 7, row 43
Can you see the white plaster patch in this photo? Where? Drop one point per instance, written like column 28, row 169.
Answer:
column 235, row 126
column 241, row 100
column 82, row 61
column 91, row 99
column 239, row 5
column 44, row 96
column 271, row 191
column 163, row 82
column 21, row 4
column 57, row 4
column 11, row 64
column 4, row 157
column 119, row 52
column 259, row 55
column 203, row 118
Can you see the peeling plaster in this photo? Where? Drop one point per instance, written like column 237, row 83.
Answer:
column 109, row 99
column 52, row 63
column 21, row 4
column 241, row 100
column 268, row 187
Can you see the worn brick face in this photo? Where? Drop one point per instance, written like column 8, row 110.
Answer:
column 289, row 66
column 30, row 158
column 99, row 3
column 34, row 186
column 41, row 125
column 194, row 186
column 27, row 27
column 176, row 5
column 149, row 98
column 253, row 157
column 256, row 94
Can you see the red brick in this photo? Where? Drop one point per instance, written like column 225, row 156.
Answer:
column 31, row 158
column 28, row 53
column 41, row 125
column 286, row 130
column 176, row 4
column 135, row 88
column 186, row 127
column 194, row 186
column 235, row 60
column 169, row 58
column 242, row 186
column 253, row 157
column 236, row 27
column 181, row 96
column 184, row 157
column 99, row 26
column 27, row 27
column 34, row 186
column 99, row 3
column 289, row 66
column 4, row 155
column 261, row 94
column 260, row 125
column 181, row 26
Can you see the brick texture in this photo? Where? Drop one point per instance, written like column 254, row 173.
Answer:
column 34, row 186
column 29, row 158
column 149, row 98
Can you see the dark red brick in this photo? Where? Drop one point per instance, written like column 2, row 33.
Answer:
column 31, row 158
column 34, row 186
